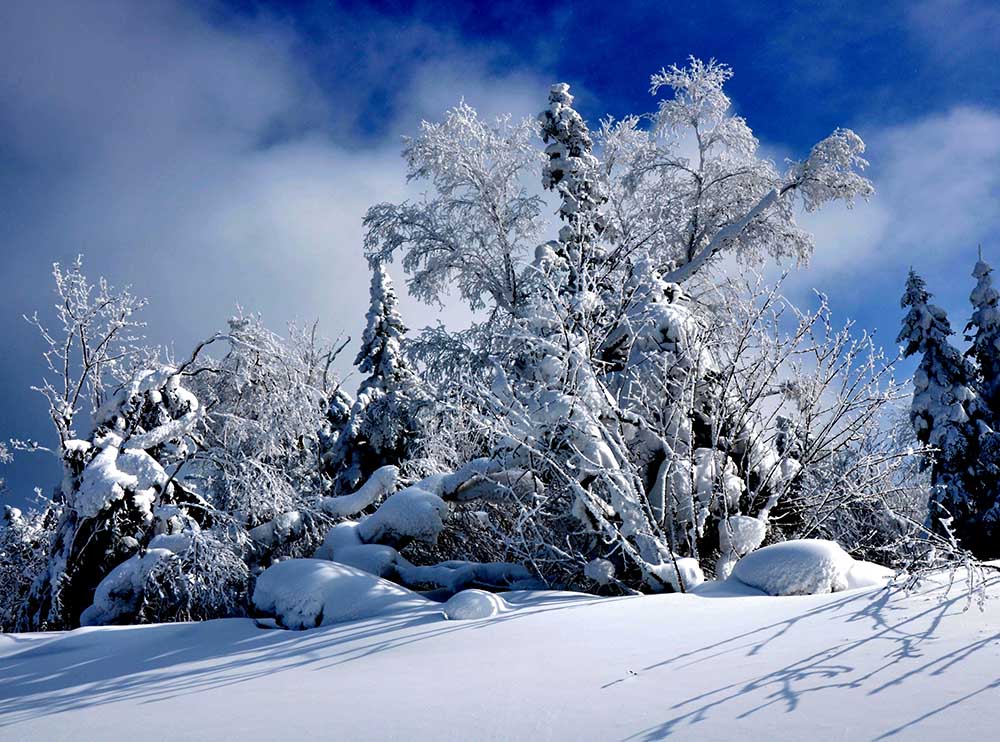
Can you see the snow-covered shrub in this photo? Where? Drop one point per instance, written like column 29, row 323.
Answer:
column 206, row 579
column 117, row 492
column 411, row 513
column 383, row 542
column 806, row 567
column 266, row 400
column 220, row 459
column 738, row 536
column 24, row 553
column 601, row 571
column 178, row 577
column 305, row 593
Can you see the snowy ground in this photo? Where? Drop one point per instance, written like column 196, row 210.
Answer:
column 722, row 665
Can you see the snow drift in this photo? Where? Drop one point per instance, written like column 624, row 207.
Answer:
column 807, row 567
column 305, row 593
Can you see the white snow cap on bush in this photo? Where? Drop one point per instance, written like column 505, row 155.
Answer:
column 380, row 483
column 688, row 572
column 472, row 604
column 412, row 513
column 118, row 595
column 738, row 536
column 600, row 571
column 305, row 593
column 806, row 567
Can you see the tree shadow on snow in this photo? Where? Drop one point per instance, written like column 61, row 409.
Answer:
column 907, row 641
column 152, row 664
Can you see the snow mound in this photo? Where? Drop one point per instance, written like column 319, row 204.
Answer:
column 867, row 574
column 304, row 593
column 410, row 513
column 806, row 567
column 472, row 604
column 373, row 558
column 341, row 536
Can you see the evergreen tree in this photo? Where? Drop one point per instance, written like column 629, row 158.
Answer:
column 985, row 336
column 947, row 414
column 573, row 172
column 384, row 424
column 985, row 349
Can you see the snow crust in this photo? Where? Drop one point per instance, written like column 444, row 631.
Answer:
column 305, row 593
column 807, row 567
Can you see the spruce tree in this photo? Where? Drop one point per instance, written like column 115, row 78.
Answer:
column 985, row 336
column 947, row 414
column 384, row 423
column 573, row 172
column 985, row 349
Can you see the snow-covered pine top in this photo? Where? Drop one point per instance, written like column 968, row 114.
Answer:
column 943, row 397
column 925, row 326
column 573, row 172
column 381, row 353
column 985, row 323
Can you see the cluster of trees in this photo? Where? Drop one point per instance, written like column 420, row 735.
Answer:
column 956, row 411
column 624, row 415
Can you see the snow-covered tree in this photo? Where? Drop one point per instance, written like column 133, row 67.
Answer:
column 983, row 331
column 95, row 344
column 119, row 492
column 193, row 474
column 604, row 381
column 267, row 405
column 621, row 416
column 24, row 551
column 694, row 186
column 480, row 222
column 572, row 171
column 947, row 414
column 384, row 425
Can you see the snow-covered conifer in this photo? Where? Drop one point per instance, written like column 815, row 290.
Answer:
column 572, row 171
column 983, row 330
column 384, row 426
column 946, row 413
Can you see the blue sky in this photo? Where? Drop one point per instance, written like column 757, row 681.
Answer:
column 215, row 153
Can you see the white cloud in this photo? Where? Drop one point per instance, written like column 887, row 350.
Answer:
column 956, row 29
column 207, row 165
column 202, row 163
column 937, row 181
